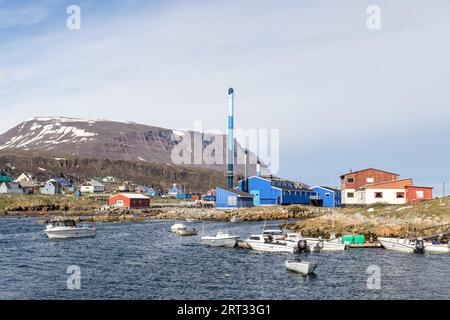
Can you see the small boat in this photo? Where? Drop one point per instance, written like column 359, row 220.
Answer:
column 300, row 266
column 190, row 220
column 266, row 243
column 67, row 228
column 317, row 244
column 235, row 219
column 187, row 232
column 220, row 240
column 403, row 245
column 437, row 247
column 177, row 226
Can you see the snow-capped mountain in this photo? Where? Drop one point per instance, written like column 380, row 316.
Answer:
column 114, row 140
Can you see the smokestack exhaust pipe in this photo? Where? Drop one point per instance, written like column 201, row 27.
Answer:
column 230, row 137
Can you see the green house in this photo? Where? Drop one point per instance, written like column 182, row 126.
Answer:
column 4, row 177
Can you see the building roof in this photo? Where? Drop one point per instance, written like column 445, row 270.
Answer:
column 238, row 192
column 12, row 185
column 345, row 174
column 132, row 195
column 401, row 183
column 27, row 184
column 327, row 188
column 413, row 186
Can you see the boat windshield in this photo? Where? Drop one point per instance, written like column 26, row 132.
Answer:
column 65, row 223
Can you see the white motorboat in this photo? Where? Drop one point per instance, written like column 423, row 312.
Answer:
column 177, row 226
column 403, row 245
column 437, row 247
column 317, row 244
column 220, row 240
column 266, row 243
column 66, row 228
column 187, row 231
column 299, row 266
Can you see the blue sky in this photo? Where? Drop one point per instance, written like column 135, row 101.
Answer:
column 342, row 96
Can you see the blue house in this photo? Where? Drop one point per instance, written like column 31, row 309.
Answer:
column 175, row 190
column 232, row 198
column 65, row 183
column 326, row 197
column 52, row 187
column 269, row 190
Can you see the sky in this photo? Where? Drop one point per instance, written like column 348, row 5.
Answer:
column 342, row 96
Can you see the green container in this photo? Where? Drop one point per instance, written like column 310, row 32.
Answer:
column 359, row 239
column 347, row 238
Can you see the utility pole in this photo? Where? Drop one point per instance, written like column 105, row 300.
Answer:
column 443, row 189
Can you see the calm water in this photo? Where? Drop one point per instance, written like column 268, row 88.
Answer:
column 145, row 261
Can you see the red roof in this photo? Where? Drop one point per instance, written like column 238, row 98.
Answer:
column 396, row 174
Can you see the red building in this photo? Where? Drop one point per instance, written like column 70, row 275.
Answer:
column 357, row 179
column 417, row 194
column 129, row 200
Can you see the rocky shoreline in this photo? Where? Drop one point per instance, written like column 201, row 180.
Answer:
column 388, row 221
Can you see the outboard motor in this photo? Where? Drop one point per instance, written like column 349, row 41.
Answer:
column 419, row 247
column 318, row 246
column 302, row 246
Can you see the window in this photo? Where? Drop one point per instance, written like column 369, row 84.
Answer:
column 419, row 194
column 378, row 195
column 400, row 195
column 232, row 200
column 327, row 194
column 351, row 180
column 119, row 203
column 370, row 180
column 350, row 194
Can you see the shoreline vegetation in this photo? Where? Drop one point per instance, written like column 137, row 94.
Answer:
column 372, row 221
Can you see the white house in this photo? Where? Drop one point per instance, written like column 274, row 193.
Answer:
column 10, row 187
column 26, row 177
column 92, row 187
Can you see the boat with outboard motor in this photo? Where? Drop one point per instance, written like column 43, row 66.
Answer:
column 67, row 228
column 267, row 243
column 403, row 245
column 220, row 240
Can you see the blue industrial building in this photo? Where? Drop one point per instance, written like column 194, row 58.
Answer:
column 326, row 197
column 232, row 198
column 269, row 190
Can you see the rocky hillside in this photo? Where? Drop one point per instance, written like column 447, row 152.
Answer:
column 113, row 141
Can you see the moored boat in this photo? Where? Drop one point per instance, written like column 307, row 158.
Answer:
column 177, row 226
column 220, row 240
column 300, row 266
column 402, row 245
column 67, row 228
column 437, row 247
column 187, row 232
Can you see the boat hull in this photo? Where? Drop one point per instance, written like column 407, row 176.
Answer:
column 400, row 245
column 72, row 233
column 300, row 267
column 219, row 242
column 185, row 232
column 437, row 248
column 270, row 247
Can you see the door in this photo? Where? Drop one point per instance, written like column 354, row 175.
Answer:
column 255, row 194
